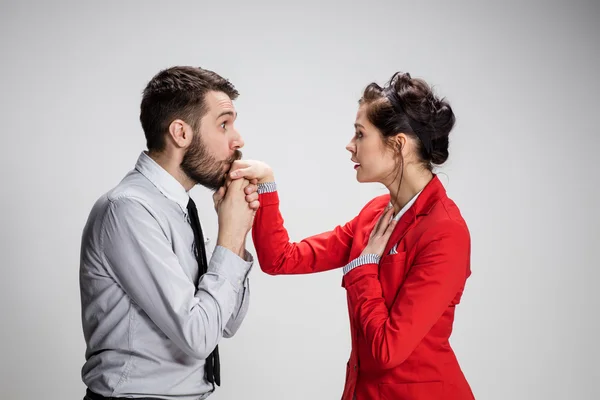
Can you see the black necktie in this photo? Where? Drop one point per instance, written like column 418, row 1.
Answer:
column 213, row 367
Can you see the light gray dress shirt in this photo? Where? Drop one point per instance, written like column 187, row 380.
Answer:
column 149, row 319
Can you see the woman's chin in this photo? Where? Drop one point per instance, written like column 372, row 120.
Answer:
column 366, row 179
column 361, row 178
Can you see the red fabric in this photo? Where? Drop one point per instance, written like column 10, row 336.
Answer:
column 401, row 311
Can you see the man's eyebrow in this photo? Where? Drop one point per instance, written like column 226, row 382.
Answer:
column 234, row 115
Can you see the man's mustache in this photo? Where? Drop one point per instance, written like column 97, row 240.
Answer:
column 237, row 155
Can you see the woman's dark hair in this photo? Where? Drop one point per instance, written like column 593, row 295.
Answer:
column 408, row 105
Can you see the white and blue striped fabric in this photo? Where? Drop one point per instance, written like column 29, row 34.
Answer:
column 362, row 260
column 267, row 187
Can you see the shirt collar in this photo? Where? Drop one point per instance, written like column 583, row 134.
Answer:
column 406, row 207
column 164, row 181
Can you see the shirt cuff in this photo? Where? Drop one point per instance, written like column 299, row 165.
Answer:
column 226, row 263
column 267, row 187
column 362, row 260
column 248, row 257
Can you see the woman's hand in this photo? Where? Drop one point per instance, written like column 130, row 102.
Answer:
column 381, row 233
column 251, row 169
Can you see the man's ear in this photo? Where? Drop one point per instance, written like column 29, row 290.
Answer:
column 181, row 133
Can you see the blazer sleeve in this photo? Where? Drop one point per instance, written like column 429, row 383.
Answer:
column 277, row 255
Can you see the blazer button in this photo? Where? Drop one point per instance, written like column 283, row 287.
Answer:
column 355, row 367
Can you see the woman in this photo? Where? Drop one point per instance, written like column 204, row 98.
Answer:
column 405, row 256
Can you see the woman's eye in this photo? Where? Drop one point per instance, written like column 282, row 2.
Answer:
column 359, row 135
column 223, row 125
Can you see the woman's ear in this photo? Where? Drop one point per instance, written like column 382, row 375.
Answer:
column 401, row 139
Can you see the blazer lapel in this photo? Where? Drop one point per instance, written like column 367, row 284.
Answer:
column 406, row 222
column 424, row 203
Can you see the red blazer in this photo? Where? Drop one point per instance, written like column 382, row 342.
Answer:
column 402, row 309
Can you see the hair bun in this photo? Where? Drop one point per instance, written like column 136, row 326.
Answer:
column 411, row 106
column 403, row 85
column 443, row 119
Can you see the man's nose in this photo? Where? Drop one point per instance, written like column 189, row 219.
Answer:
column 238, row 141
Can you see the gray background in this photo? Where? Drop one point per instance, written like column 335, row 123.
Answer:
column 522, row 79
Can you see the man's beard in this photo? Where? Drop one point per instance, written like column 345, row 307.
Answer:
column 203, row 168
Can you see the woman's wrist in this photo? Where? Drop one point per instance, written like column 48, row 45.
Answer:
column 266, row 179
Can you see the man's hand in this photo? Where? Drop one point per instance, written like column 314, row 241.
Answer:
column 251, row 192
column 235, row 216
column 251, row 169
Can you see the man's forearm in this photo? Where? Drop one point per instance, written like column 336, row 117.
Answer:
column 232, row 243
column 243, row 251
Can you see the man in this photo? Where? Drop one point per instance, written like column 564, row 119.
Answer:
column 154, row 308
